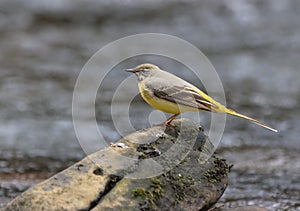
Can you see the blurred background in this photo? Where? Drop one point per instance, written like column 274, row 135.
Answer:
column 254, row 46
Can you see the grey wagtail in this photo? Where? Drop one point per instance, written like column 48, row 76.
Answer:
column 171, row 94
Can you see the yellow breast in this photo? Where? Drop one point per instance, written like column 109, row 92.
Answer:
column 162, row 104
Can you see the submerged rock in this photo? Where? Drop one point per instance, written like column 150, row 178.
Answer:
column 156, row 168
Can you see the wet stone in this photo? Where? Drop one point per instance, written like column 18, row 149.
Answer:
column 159, row 169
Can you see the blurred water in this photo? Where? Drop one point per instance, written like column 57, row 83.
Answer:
column 254, row 47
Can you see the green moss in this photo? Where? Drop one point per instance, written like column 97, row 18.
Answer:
column 220, row 171
column 180, row 185
column 139, row 192
column 212, row 176
column 149, row 197
column 156, row 187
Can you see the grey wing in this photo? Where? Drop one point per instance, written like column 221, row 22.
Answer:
column 182, row 95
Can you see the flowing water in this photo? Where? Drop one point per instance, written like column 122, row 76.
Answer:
column 254, row 46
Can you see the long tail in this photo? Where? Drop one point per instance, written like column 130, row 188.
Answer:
column 229, row 111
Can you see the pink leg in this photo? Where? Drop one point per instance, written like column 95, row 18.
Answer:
column 168, row 121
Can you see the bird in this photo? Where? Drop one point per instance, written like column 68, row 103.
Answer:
column 171, row 94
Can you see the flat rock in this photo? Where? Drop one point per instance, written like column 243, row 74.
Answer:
column 159, row 168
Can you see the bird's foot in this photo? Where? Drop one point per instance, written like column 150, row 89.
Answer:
column 168, row 121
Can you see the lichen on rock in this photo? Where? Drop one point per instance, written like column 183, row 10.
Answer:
column 160, row 169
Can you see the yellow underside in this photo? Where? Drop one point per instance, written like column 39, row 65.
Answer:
column 165, row 105
column 173, row 108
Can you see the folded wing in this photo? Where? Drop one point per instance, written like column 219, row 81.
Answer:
column 184, row 96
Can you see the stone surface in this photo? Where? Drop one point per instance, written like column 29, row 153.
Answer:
column 155, row 168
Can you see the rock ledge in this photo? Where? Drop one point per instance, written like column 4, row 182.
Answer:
column 156, row 168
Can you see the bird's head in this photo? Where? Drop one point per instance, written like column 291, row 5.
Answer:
column 143, row 71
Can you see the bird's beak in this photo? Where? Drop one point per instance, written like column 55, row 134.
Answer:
column 130, row 70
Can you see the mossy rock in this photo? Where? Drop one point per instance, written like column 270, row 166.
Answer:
column 158, row 168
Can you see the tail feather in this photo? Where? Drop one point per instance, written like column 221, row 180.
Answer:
column 229, row 111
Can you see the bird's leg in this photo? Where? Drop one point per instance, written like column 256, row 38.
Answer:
column 168, row 121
